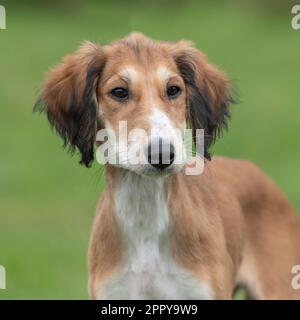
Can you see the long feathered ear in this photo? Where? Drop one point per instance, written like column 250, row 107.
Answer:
column 69, row 99
column 209, row 93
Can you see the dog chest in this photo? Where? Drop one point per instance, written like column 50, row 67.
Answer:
column 148, row 270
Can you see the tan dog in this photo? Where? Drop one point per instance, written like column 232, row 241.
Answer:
column 159, row 233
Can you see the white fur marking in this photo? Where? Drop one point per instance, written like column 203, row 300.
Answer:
column 129, row 73
column 163, row 127
column 161, row 124
column 163, row 73
column 148, row 270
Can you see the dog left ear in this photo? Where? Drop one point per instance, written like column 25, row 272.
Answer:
column 208, row 93
column 68, row 97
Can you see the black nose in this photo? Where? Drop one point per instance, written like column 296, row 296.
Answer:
column 161, row 154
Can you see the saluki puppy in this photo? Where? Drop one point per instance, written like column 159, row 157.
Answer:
column 160, row 233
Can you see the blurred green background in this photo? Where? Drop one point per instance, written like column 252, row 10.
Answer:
column 47, row 200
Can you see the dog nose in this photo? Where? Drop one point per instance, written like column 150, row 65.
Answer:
column 161, row 154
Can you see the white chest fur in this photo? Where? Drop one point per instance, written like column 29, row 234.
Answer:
column 148, row 271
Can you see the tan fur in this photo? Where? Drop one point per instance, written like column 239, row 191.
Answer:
column 230, row 215
column 105, row 249
column 71, row 73
column 145, row 57
column 230, row 225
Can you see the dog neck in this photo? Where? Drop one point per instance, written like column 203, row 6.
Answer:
column 142, row 214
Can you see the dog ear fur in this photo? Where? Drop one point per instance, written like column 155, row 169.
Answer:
column 208, row 93
column 69, row 100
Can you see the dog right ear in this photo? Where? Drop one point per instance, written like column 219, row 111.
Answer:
column 209, row 92
column 68, row 97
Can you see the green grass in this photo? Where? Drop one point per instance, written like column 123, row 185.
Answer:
column 47, row 200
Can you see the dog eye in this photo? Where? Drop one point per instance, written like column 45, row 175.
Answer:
column 173, row 92
column 121, row 94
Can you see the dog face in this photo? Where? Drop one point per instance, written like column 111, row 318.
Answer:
column 152, row 88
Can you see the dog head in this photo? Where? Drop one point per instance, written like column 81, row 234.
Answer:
column 154, row 88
